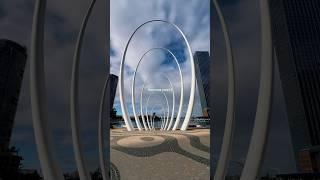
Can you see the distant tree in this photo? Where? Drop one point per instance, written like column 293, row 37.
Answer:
column 113, row 113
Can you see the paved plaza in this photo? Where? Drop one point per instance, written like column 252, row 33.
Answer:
column 157, row 155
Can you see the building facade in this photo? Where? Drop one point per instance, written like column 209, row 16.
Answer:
column 202, row 65
column 12, row 63
column 296, row 39
column 113, row 83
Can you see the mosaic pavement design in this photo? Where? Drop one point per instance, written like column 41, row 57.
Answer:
column 153, row 155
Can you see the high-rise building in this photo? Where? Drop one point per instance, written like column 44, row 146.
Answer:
column 12, row 62
column 296, row 39
column 202, row 66
column 113, row 83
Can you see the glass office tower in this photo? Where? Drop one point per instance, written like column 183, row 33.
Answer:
column 296, row 38
column 202, row 65
column 12, row 62
column 113, row 82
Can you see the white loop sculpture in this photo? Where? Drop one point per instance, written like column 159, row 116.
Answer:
column 141, row 110
column 104, row 163
column 226, row 147
column 168, row 108
column 173, row 104
column 42, row 133
column 173, row 101
column 48, row 162
column 260, row 130
column 153, row 127
column 193, row 80
column 74, row 103
column 133, row 99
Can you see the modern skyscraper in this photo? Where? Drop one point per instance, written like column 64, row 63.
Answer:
column 202, row 65
column 12, row 62
column 296, row 38
column 113, row 83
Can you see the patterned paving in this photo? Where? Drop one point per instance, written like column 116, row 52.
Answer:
column 160, row 155
column 115, row 173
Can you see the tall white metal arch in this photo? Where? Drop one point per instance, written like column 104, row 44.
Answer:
column 162, row 118
column 193, row 79
column 133, row 99
column 43, row 137
column 141, row 109
column 260, row 130
column 161, row 105
column 74, row 103
column 226, row 147
column 173, row 102
column 168, row 108
column 49, row 166
column 104, row 163
column 173, row 105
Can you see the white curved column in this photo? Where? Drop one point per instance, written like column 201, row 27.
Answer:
column 121, row 80
column 43, row 136
column 153, row 127
column 149, row 126
column 74, row 103
column 173, row 105
column 147, row 105
column 148, row 122
column 164, row 118
column 162, row 123
column 133, row 99
column 168, row 110
column 104, row 163
column 260, row 130
column 141, row 109
column 226, row 147
column 153, row 124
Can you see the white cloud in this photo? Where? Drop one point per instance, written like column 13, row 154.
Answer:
column 126, row 15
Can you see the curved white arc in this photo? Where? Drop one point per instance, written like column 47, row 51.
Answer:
column 162, row 119
column 141, row 109
column 149, row 126
column 104, row 164
column 226, row 148
column 168, row 111
column 48, row 162
column 152, row 120
column 193, row 86
column 133, row 99
column 162, row 123
column 260, row 130
column 74, row 104
column 167, row 102
column 173, row 105
column 154, row 116
column 153, row 123
column 121, row 80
